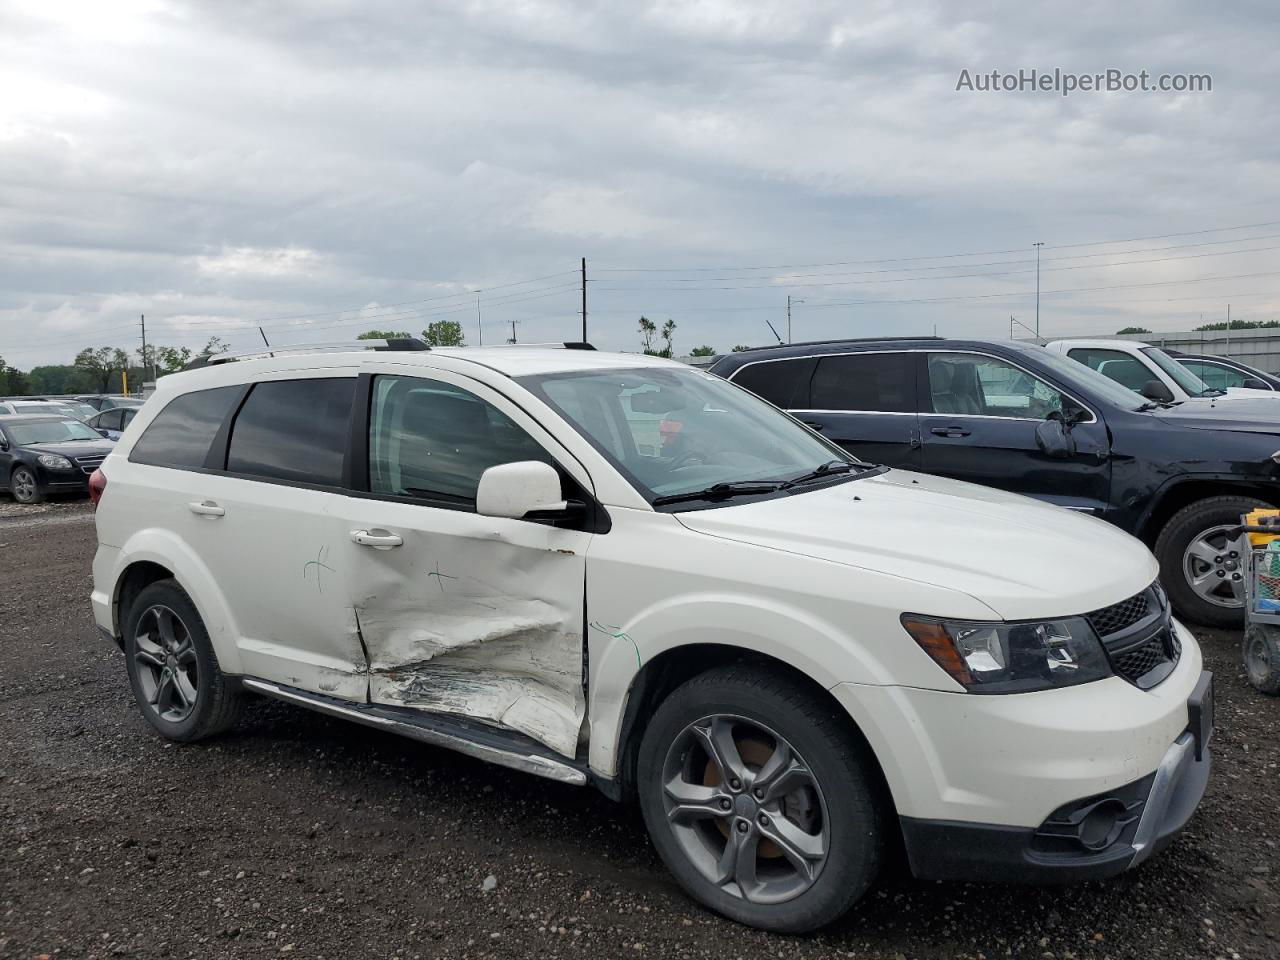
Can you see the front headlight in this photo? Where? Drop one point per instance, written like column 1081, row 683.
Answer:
column 1012, row 657
column 54, row 462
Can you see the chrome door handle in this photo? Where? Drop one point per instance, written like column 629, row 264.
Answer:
column 378, row 539
column 205, row 508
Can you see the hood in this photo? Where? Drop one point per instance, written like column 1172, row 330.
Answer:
column 74, row 448
column 1245, row 415
column 1022, row 558
column 1250, row 393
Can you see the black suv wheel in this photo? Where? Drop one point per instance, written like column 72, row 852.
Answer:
column 1200, row 565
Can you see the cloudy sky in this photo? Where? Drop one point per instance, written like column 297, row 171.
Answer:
column 322, row 168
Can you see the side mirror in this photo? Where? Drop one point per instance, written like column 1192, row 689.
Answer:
column 1054, row 437
column 516, row 489
column 1157, row 391
column 105, row 432
column 1253, row 383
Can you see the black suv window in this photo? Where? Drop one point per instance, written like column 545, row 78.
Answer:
column 181, row 433
column 976, row 385
column 293, row 430
column 875, row 382
column 432, row 440
column 784, row 383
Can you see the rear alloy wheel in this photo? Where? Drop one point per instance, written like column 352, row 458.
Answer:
column 761, row 798
column 24, row 486
column 172, row 668
column 1201, row 566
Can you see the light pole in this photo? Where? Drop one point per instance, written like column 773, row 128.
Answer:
column 1038, row 245
column 790, row 301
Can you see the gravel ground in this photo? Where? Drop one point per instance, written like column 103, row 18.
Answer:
column 302, row 835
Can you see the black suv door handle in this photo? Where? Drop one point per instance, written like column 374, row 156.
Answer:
column 812, row 425
column 949, row 432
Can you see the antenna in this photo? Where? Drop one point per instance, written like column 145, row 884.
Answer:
column 774, row 332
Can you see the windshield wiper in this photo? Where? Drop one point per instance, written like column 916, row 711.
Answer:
column 829, row 469
column 720, row 491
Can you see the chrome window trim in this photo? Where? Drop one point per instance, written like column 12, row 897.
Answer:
column 1093, row 416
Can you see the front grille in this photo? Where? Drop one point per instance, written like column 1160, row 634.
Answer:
column 1119, row 616
column 90, row 464
column 1138, row 637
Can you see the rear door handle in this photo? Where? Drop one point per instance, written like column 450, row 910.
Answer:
column 205, row 508
column 949, row 432
column 378, row 539
column 812, row 425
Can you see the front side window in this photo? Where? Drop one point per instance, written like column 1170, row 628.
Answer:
column 1124, row 369
column 108, row 421
column 1192, row 385
column 181, row 433
column 678, row 431
column 872, row 382
column 969, row 384
column 432, row 441
column 51, row 431
column 294, row 430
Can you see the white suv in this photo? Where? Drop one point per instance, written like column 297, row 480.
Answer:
column 618, row 570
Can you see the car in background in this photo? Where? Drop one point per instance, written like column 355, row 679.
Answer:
column 107, row 401
column 1025, row 419
column 1152, row 373
column 68, row 408
column 1223, row 373
column 43, row 455
column 112, row 423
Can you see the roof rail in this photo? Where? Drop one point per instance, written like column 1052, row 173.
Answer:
column 563, row 344
column 823, row 343
column 396, row 344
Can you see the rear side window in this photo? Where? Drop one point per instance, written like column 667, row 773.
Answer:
column 784, row 383
column 293, row 430
column 182, row 432
column 874, row 382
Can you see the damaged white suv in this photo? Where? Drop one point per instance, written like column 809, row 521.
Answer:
column 618, row 570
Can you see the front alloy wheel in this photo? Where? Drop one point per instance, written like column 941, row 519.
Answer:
column 24, row 486
column 745, row 809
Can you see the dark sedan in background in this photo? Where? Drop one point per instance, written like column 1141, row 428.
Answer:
column 1223, row 372
column 43, row 455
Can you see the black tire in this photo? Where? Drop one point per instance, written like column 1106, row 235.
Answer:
column 24, row 485
column 840, row 763
column 1260, row 653
column 1184, row 527
column 217, row 701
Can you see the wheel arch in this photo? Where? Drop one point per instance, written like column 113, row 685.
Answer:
column 660, row 676
column 1177, row 494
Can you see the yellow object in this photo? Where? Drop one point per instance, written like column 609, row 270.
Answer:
column 1263, row 518
column 124, row 383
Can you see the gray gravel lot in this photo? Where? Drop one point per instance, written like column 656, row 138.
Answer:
column 302, row 835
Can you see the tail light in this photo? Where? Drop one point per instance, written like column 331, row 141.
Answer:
column 97, row 486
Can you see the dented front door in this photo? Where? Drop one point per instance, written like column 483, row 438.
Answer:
column 461, row 614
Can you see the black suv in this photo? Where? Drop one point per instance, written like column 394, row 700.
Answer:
column 1018, row 417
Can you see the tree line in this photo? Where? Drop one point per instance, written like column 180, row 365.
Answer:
column 101, row 369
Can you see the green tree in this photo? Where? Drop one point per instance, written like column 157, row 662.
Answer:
column 703, row 351
column 384, row 335
column 60, row 378
column 13, row 382
column 444, row 333
column 668, row 331
column 648, row 330
column 1128, row 330
column 215, row 345
column 739, row 348
column 1240, row 325
column 102, row 363
column 157, row 360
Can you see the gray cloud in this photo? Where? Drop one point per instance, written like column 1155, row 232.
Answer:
column 217, row 165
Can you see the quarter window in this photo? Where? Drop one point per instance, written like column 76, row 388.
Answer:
column 1126, row 370
column 181, row 433
column 784, row 383
column 875, row 382
column 432, row 440
column 293, row 430
column 974, row 385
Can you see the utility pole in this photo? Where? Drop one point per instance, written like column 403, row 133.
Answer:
column 1227, row 350
column 479, row 328
column 584, row 300
column 1038, row 245
column 143, row 316
column 790, row 301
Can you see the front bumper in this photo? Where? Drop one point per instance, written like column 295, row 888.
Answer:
column 62, row 481
column 1165, row 801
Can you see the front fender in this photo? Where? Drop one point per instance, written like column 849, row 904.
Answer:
column 171, row 552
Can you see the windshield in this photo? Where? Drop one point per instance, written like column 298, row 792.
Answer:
column 51, row 431
column 678, row 431
column 1073, row 371
column 1184, row 378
